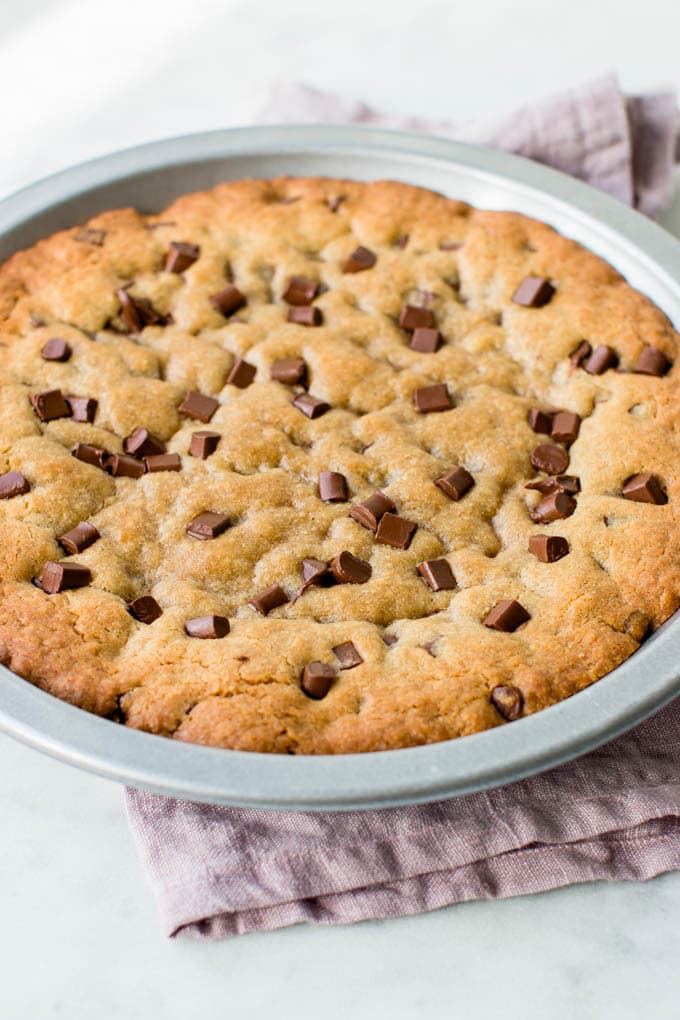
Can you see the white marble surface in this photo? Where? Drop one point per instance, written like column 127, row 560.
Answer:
column 79, row 936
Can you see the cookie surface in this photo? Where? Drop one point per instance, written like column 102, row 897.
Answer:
column 250, row 368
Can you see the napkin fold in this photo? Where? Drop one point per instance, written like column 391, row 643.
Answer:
column 612, row 814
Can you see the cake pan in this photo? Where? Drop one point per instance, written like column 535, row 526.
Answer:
column 149, row 177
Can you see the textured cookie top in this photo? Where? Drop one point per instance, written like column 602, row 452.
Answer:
column 318, row 466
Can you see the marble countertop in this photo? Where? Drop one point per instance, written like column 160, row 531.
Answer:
column 79, row 936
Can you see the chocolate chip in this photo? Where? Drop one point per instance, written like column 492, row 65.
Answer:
column 651, row 361
column 395, row 531
column 142, row 443
column 305, row 315
column 90, row 235
column 94, row 455
column 332, row 487
column 432, row 398
column 540, row 421
column 602, row 358
column 411, row 317
column 582, row 352
column 56, row 350
column 310, row 406
column 402, row 241
column 145, row 609
column 82, row 408
column 13, row 484
column 507, row 615
column 335, row 202
column 78, row 538
column 533, row 292
column 390, row 639
column 437, row 574
column 120, row 465
column 555, row 507
column 315, row 572
column 565, row 427
column 163, row 462
column 317, row 680
column 300, row 291
column 425, row 340
column 56, row 577
column 347, row 655
column 369, row 513
column 554, row 460
column 242, row 374
column 207, row 627
column 508, row 701
column 349, row 569
column 291, row 371
column 202, row 444
column 228, row 301
column 548, row 548
column 208, row 525
column 456, row 483
column 269, row 599
column 181, row 255
column 644, row 488
column 137, row 313
column 50, row 405
column 567, row 483
column 199, row 406
column 360, row 259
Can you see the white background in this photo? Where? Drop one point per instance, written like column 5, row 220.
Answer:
column 79, row 936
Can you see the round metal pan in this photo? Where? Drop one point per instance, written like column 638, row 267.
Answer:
column 150, row 176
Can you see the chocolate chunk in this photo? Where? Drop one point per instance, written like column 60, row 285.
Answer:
column 137, row 313
column 651, row 361
column 142, row 443
column 228, row 301
column 56, row 350
column 78, row 538
column 395, row 531
column 567, row 483
column 300, row 291
column 432, row 398
column 507, row 615
column 50, row 405
column 94, row 455
column 291, row 371
column 56, row 577
column 82, row 408
column 555, row 507
column 548, row 548
column 317, row 680
column 390, row 639
column 347, row 655
column 90, row 235
column 411, row 317
column 208, row 525
column 533, row 292
column 508, row 701
column 580, row 354
column 360, row 259
column 13, row 484
column 242, row 374
column 202, row 444
column 332, row 487
column 315, row 572
column 602, row 358
column 199, row 406
column 120, row 465
column 540, row 421
column 207, row 627
column 181, row 255
column 425, row 340
column 305, row 315
column 644, row 488
column 402, row 241
column 163, row 462
column 369, row 512
column 565, row 427
column 145, row 609
column 349, row 569
column 456, row 483
column 310, row 406
column 554, row 460
column 437, row 574
column 269, row 599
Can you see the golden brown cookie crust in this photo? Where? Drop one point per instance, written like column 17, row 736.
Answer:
column 589, row 610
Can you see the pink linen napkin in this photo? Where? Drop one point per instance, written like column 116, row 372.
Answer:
column 613, row 814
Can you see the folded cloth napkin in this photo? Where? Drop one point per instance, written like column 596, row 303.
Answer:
column 615, row 813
